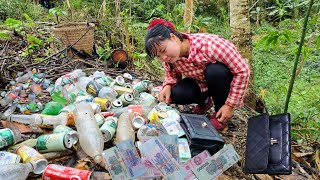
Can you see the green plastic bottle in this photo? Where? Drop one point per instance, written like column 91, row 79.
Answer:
column 52, row 108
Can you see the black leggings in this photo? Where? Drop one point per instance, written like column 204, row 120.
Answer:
column 218, row 77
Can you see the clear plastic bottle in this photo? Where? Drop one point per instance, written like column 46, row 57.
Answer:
column 93, row 88
column 25, row 77
column 19, row 171
column 8, row 98
column 124, row 129
column 10, row 110
column 69, row 78
column 90, row 137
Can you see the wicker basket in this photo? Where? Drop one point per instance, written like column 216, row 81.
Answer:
column 78, row 34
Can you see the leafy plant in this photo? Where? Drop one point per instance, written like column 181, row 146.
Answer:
column 34, row 44
column 57, row 13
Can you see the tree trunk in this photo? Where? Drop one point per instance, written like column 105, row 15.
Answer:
column 187, row 17
column 241, row 36
column 118, row 19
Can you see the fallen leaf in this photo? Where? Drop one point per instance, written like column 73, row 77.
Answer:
column 317, row 158
column 303, row 154
column 82, row 164
column 263, row 177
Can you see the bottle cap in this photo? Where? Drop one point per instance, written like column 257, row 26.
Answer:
column 98, row 158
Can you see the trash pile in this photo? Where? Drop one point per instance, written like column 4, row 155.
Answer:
column 147, row 140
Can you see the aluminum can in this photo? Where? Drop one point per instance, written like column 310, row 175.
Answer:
column 120, row 90
column 128, row 85
column 146, row 97
column 57, row 172
column 8, row 158
column 99, row 118
column 62, row 129
column 116, row 104
column 107, row 114
column 96, row 107
column 104, row 103
column 108, row 129
column 126, row 98
column 128, row 76
column 52, row 142
column 120, row 81
column 28, row 154
column 6, row 137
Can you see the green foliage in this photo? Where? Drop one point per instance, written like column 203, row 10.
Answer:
column 57, row 12
column 4, row 35
column 34, row 44
column 273, row 38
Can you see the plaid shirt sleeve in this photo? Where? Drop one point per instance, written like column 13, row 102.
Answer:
column 172, row 76
column 219, row 49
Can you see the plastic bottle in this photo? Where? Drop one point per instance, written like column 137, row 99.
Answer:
column 69, row 78
column 10, row 110
column 8, row 98
column 90, row 137
column 52, row 108
column 95, row 89
column 19, row 171
column 32, row 102
column 124, row 129
column 25, row 77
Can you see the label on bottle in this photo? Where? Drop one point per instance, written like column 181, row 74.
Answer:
column 8, row 158
column 6, row 137
column 93, row 88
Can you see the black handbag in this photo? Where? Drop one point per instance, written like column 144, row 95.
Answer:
column 268, row 149
column 200, row 134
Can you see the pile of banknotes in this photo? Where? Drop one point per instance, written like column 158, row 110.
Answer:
column 166, row 156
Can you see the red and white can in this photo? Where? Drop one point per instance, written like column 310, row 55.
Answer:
column 57, row 172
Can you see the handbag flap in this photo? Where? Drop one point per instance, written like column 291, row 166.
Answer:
column 257, row 145
column 200, row 127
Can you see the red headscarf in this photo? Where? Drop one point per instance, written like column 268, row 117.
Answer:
column 162, row 22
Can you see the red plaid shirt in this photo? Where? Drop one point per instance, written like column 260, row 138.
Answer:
column 209, row 48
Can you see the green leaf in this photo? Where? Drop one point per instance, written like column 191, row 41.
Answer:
column 4, row 36
column 318, row 42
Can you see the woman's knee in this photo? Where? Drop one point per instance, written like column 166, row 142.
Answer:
column 217, row 71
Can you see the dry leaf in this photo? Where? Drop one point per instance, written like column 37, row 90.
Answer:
column 303, row 154
column 82, row 164
column 317, row 158
column 263, row 177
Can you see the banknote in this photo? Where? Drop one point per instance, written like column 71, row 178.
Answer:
column 170, row 142
column 184, row 150
column 131, row 158
column 194, row 162
column 217, row 164
column 172, row 127
column 114, row 164
column 160, row 157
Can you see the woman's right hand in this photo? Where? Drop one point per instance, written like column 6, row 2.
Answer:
column 165, row 93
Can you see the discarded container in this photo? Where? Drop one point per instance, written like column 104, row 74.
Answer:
column 8, row 98
column 57, row 172
column 95, row 89
column 52, row 108
column 126, row 98
column 104, row 103
column 147, row 130
column 95, row 107
column 99, row 118
column 138, row 122
column 90, row 136
column 10, row 110
column 108, row 129
column 9, row 137
column 8, row 158
column 120, row 90
column 62, row 129
column 28, row 154
column 116, row 104
column 124, row 129
column 19, row 171
column 25, row 77
column 69, row 78
column 55, row 142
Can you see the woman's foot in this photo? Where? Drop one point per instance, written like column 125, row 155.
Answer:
column 217, row 124
column 203, row 108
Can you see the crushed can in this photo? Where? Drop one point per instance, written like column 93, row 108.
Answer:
column 120, row 90
column 8, row 158
column 54, row 171
column 108, row 129
column 28, row 154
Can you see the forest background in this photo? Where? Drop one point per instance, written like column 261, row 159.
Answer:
column 276, row 27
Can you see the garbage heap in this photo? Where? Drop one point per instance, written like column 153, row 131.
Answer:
column 92, row 111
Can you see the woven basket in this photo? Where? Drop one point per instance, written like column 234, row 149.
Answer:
column 78, row 34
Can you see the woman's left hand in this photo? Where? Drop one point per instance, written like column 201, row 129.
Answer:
column 225, row 113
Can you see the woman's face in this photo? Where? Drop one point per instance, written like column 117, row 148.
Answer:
column 169, row 49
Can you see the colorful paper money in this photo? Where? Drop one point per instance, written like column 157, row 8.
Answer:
column 194, row 162
column 184, row 150
column 114, row 164
column 131, row 159
column 170, row 142
column 217, row 164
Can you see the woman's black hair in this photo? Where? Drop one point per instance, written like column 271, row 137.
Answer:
column 156, row 35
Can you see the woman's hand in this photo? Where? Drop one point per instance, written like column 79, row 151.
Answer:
column 225, row 113
column 165, row 93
